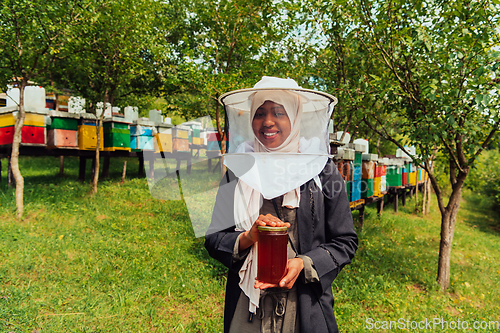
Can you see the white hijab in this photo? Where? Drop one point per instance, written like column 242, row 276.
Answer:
column 247, row 201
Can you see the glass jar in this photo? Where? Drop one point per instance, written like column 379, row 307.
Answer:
column 272, row 254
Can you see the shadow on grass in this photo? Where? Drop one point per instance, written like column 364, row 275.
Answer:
column 479, row 213
column 391, row 253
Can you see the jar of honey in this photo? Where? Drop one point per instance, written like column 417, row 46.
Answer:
column 272, row 254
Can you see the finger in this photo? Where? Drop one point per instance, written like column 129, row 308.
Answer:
column 264, row 285
column 273, row 218
column 287, row 278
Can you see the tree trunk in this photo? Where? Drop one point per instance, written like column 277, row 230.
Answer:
column 98, row 135
column 378, row 146
column 56, row 101
column 416, row 194
column 96, row 169
column 424, row 197
column 429, row 189
column 221, row 133
column 61, row 165
column 10, row 176
column 219, row 128
column 14, row 157
column 448, row 219
column 124, row 173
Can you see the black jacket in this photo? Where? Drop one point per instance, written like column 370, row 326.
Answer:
column 326, row 235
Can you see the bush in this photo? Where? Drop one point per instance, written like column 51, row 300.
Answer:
column 484, row 178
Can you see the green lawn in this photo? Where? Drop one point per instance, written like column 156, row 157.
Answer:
column 123, row 261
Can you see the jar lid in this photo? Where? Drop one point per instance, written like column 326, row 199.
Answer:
column 268, row 228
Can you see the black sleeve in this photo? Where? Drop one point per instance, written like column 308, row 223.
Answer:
column 221, row 235
column 339, row 242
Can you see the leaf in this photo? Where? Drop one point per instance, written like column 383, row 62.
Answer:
column 451, row 120
column 479, row 98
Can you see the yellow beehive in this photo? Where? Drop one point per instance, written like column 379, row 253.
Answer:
column 34, row 120
column 413, row 178
column 163, row 143
column 180, row 144
column 198, row 141
column 181, row 133
column 31, row 119
column 376, row 186
column 87, row 137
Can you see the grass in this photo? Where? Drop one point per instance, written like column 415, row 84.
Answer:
column 123, row 261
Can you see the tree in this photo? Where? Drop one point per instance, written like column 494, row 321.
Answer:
column 115, row 55
column 436, row 69
column 234, row 43
column 32, row 35
column 329, row 61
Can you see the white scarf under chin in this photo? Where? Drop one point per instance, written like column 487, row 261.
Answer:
column 247, row 204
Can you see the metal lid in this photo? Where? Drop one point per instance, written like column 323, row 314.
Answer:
column 267, row 228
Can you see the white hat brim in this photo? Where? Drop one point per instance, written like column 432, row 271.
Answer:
column 314, row 100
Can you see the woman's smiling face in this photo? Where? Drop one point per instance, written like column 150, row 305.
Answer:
column 271, row 124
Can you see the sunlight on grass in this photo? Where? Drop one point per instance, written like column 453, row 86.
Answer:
column 123, row 261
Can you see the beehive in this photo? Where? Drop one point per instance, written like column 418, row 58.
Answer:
column 32, row 132
column 356, row 190
column 368, row 170
column 344, row 168
column 394, row 176
column 357, row 158
column 348, row 190
column 141, row 135
column 180, row 138
column 376, row 186
column 213, row 141
column 367, row 187
column 180, row 145
column 412, row 178
column 116, row 134
column 87, row 132
column 163, row 140
column 62, row 130
column 356, row 175
column 180, row 132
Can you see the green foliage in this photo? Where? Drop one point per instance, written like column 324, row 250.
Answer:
column 231, row 46
column 484, row 179
column 114, row 53
column 33, row 35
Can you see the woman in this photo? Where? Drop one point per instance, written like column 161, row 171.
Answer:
column 316, row 212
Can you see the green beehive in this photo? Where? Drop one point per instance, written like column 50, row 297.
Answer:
column 357, row 158
column 64, row 123
column 367, row 186
column 116, row 138
column 112, row 124
column 394, row 176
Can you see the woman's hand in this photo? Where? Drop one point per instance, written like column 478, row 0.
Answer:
column 249, row 237
column 295, row 266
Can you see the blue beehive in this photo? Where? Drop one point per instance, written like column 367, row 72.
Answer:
column 141, row 142
column 356, row 189
column 141, row 130
column 141, row 134
column 357, row 173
